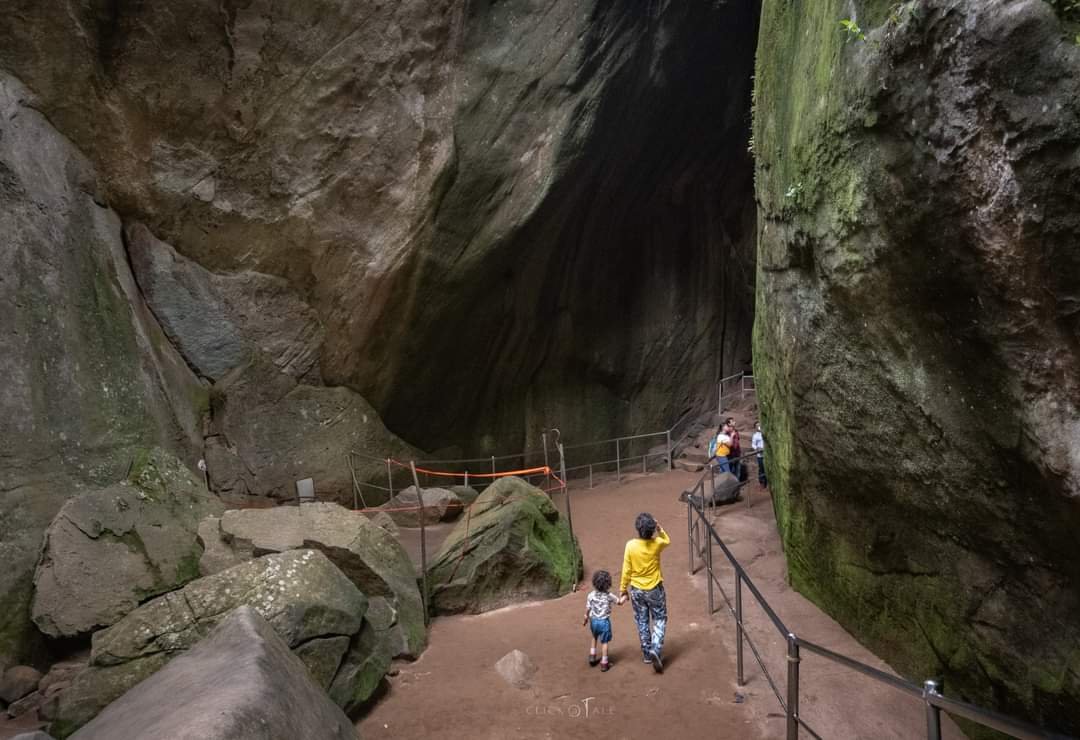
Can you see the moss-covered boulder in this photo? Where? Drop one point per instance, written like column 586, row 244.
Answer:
column 512, row 546
column 916, row 350
column 110, row 549
column 300, row 593
column 368, row 555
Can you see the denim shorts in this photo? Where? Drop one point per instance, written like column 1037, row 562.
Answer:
column 601, row 629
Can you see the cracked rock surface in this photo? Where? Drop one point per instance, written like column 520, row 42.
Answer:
column 302, row 595
column 110, row 549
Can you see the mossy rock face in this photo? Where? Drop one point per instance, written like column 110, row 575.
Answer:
column 110, row 549
column 88, row 379
column 915, row 344
column 512, row 546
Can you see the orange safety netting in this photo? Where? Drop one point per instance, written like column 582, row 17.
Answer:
column 503, row 474
column 546, row 470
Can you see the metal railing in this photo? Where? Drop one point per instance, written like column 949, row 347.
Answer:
column 737, row 385
column 701, row 535
column 623, row 455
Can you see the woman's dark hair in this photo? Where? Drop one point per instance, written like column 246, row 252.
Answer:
column 601, row 580
column 645, row 525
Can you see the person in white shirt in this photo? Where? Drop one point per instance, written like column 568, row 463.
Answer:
column 758, row 443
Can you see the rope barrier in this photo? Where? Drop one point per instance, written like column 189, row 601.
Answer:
column 504, row 474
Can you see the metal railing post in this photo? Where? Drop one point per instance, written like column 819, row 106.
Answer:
column 543, row 436
column 466, row 478
column 712, row 487
column 424, row 595
column 644, row 469
column 618, row 464
column 389, row 478
column 792, row 687
column 690, row 529
column 708, row 568
column 670, row 452
column 740, row 679
column 590, row 476
column 933, row 713
column 493, row 465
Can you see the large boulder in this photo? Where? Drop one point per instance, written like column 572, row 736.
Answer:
column 301, row 594
column 916, row 353
column 269, row 431
column 367, row 554
column 514, row 546
column 110, row 549
column 216, row 321
column 18, row 681
column 439, row 505
column 240, row 682
column 89, row 380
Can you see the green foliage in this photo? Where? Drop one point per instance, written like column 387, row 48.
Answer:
column 853, row 30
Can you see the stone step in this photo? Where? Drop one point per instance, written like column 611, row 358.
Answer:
column 696, row 455
column 689, row 465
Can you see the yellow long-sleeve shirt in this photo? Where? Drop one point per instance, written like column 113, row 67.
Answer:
column 641, row 562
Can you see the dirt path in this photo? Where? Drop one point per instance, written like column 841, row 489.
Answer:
column 453, row 691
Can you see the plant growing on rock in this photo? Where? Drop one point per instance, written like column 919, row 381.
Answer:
column 853, row 30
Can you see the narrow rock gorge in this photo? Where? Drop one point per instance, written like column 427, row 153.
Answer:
column 264, row 234
column 917, row 342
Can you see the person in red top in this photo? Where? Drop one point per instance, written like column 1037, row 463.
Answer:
column 736, row 448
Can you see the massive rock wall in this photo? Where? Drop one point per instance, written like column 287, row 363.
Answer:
column 505, row 215
column 88, row 377
column 916, row 344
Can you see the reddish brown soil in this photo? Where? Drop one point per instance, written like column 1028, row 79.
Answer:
column 453, row 691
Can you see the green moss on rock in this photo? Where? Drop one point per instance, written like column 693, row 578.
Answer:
column 512, row 546
column 914, row 380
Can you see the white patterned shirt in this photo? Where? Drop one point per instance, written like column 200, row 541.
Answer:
column 599, row 604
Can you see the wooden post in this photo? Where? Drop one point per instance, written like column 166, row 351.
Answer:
column 423, row 541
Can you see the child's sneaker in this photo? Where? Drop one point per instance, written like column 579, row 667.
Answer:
column 593, row 660
column 605, row 666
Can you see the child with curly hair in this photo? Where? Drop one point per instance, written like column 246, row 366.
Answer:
column 598, row 617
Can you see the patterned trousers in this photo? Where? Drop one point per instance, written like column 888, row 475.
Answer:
column 651, row 604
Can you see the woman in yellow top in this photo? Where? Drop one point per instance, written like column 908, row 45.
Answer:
column 642, row 579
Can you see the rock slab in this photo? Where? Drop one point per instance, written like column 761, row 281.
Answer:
column 513, row 547
column 270, row 431
column 439, row 505
column 367, row 554
column 241, row 682
column 300, row 593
